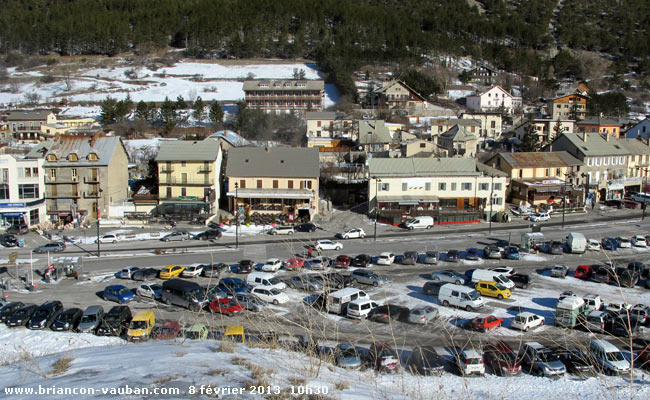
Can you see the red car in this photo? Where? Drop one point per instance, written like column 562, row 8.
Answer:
column 295, row 262
column 342, row 262
column 501, row 358
column 485, row 324
column 225, row 306
column 383, row 358
column 170, row 330
column 583, row 272
column 630, row 204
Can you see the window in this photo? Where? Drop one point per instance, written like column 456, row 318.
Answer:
column 606, row 161
column 497, row 200
column 242, row 183
column 290, row 183
column 590, row 162
column 259, row 183
column 405, row 186
column 497, row 186
column 93, row 157
column 4, row 191
column 5, row 175
column 484, row 186
column 51, row 157
column 184, row 192
column 384, row 186
column 305, row 184
column 275, row 184
column 34, row 172
column 73, row 171
column 34, row 218
column 169, row 192
column 621, row 160
column 27, row 172
column 466, row 186
column 547, row 172
column 73, row 157
column 427, row 186
column 493, row 124
column 558, row 172
column 28, row 191
column 183, row 163
column 423, row 145
column 599, row 161
column 453, row 186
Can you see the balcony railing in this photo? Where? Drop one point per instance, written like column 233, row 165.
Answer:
column 61, row 179
column 62, row 195
column 205, row 170
column 185, row 182
column 91, row 195
column 166, row 170
column 91, row 179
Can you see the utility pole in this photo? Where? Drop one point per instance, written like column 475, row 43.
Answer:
column 491, row 200
column 564, row 199
column 376, row 204
column 236, row 218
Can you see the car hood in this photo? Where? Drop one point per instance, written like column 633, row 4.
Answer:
column 137, row 332
column 554, row 365
column 86, row 325
column 349, row 361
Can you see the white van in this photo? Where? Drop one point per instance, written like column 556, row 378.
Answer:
column 608, row 357
column 489, row 276
column 266, row 279
column 337, row 302
column 576, row 243
column 422, row 222
column 360, row 308
column 460, row 296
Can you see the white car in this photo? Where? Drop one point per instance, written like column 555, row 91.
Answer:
column 108, row 239
column 386, row 258
column 624, row 242
column 527, row 320
column 506, row 271
column 540, row 217
column 272, row 265
column 353, row 233
column 192, row 271
column 639, row 241
column 270, row 294
column 328, row 245
column 127, row 272
column 150, row 290
column 593, row 244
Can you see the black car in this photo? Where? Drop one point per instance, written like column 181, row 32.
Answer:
column 426, row 361
column 602, row 275
column 522, row 281
column 308, row 227
column 211, row 234
column 386, row 313
column 8, row 240
column 362, row 260
column 115, row 321
column 576, row 361
column 22, row 315
column 144, row 274
column 410, row 258
column 244, row 267
column 9, row 309
column 318, row 301
column 624, row 326
column 432, row 288
column 67, row 320
column 45, row 315
column 18, row 229
column 556, row 248
column 625, row 277
column 638, row 267
column 452, row 256
column 333, row 280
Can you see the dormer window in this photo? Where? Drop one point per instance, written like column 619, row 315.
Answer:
column 92, row 157
column 73, row 157
column 51, row 157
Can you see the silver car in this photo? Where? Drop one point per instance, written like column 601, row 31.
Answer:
column 249, row 302
column 367, row 277
column 448, row 276
column 422, row 314
column 176, row 236
column 306, row 283
column 319, row 263
column 430, row 257
column 91, row 319
column 559, row 271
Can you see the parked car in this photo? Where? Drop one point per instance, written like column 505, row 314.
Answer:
column 328, row 245
column 177, row 236
column 541, row 361
column 642, row 313
column 602, row 274
column 306, row 283
column 249, row 302
column 555, row 248
column 308, row 227
column 171, row 271
column 624, row 326
column 593, row 244
column 362, row 260
column 211, row 292
column 233, row 285
column 334, row 280
column 425, row 361
column 294, row 263
column 383, row 358
column 492, row 252
column 511, row 253
column 484, row 323
column 452, row 256
column 318, row 263
column 559, row 271
column 522, row 281
column 210, row 234
column 539, row 217
column 386, row 258
column 411, row 258
column 282, row 230
column 346, row 355
column 448, row 276
column 342, row 261
column 352, row 234
column 638, row 267
column 625, row 278
column 526, row 320
column 270, row 295
column 608, row 358
column 45, row 315
column 90, row 319
column 118, row 293
column 386, row 313
column 9, row 309
column 8, row 240
column 501, row 359
column 192, row 271
column 430, row 257
column 422, row 314
column 432, row 288
column 214, row 270
column 469, row 362
column 127, row 272
column 18, row 229
column 575, row 360
column 272, row 265
column 197, row 332
column 52, row 247
column 110, row 238
column 225, row 306
column 170, row 330
column 367, row 277
column 144, row 274
column 609, row 244
column 244, row 267
column 624, row 242
column 21, row 316
column 639, row 241
column 67, row 320
column 492, row 289
column 583, row 272
column 630, row 204
column 115, row 322
column 149, row 290
column 472, row 254
column 503, row 270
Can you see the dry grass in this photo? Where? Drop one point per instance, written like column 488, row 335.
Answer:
column 257, row 373
column 226, row 347
column 61, row 365
column 180, row 353
column 164, row 380
column 216, row 372
column 297, row 381
column 341, row 385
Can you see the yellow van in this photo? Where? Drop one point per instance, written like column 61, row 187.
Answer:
column 141, row 326
column 492, row 289
column 234, row 333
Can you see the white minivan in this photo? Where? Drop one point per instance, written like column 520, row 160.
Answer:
column 489, row 276
column 608, row 357
column 421, row 222
column 338, row 301
column 460, row 296
column 265, row 279
column 360, row 308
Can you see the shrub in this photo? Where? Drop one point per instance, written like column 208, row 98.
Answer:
column 61, row 365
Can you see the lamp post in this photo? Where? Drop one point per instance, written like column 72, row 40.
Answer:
column 236, row 218
column 98, row 216
column 564, row 198
column 491, row 202
column 377, row 180
column 586, row 175
column 644, row 181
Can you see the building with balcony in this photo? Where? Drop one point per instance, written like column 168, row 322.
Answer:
column 459, row 141
column 396, row 94
column 189, row 178
column 273, row 180
column 569, row 106
column 546, row 129
column 25, row 126
column 22, row 191
column 84, row 175
column 600, row 124
column 491, row 123
column 324, row 126
column 494, row 99
column 285, row 95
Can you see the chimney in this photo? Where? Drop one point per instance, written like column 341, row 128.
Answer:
column 93, row 140
column 57, row 137
column 584, row 136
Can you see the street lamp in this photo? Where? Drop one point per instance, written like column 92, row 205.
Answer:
column 236, row 218
column 566, row 175
column 98, row 216
column 586, row 175
column 377, row 180
column 644, row 182
column 491, row 202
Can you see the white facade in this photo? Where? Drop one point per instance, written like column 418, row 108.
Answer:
column 22, row 191
column 493, row 99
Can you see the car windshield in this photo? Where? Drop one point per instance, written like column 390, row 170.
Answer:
column 271, row 262
column 274, row 291
column 89, row 318
column 500, row 286
column 505, row 357
column 124, row 291
column 349, row 352
column 155, row 287
column 474, row 295
column 138, row 325
column 40, row 314
column 547, row 356
column 165, row 331
column 614, row 356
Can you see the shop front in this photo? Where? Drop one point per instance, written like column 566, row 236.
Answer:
column 395, row 210
column 29, row 213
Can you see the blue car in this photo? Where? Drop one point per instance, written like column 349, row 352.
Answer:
column 610, row 244
column 472, row 254
column 233, row 285
column 511, row 253
column 118, row 293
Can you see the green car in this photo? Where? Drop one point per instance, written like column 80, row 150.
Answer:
column 197, row 332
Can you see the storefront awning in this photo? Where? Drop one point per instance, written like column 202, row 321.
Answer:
column 408, row 200
column 12, row 215
column 273, row 193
